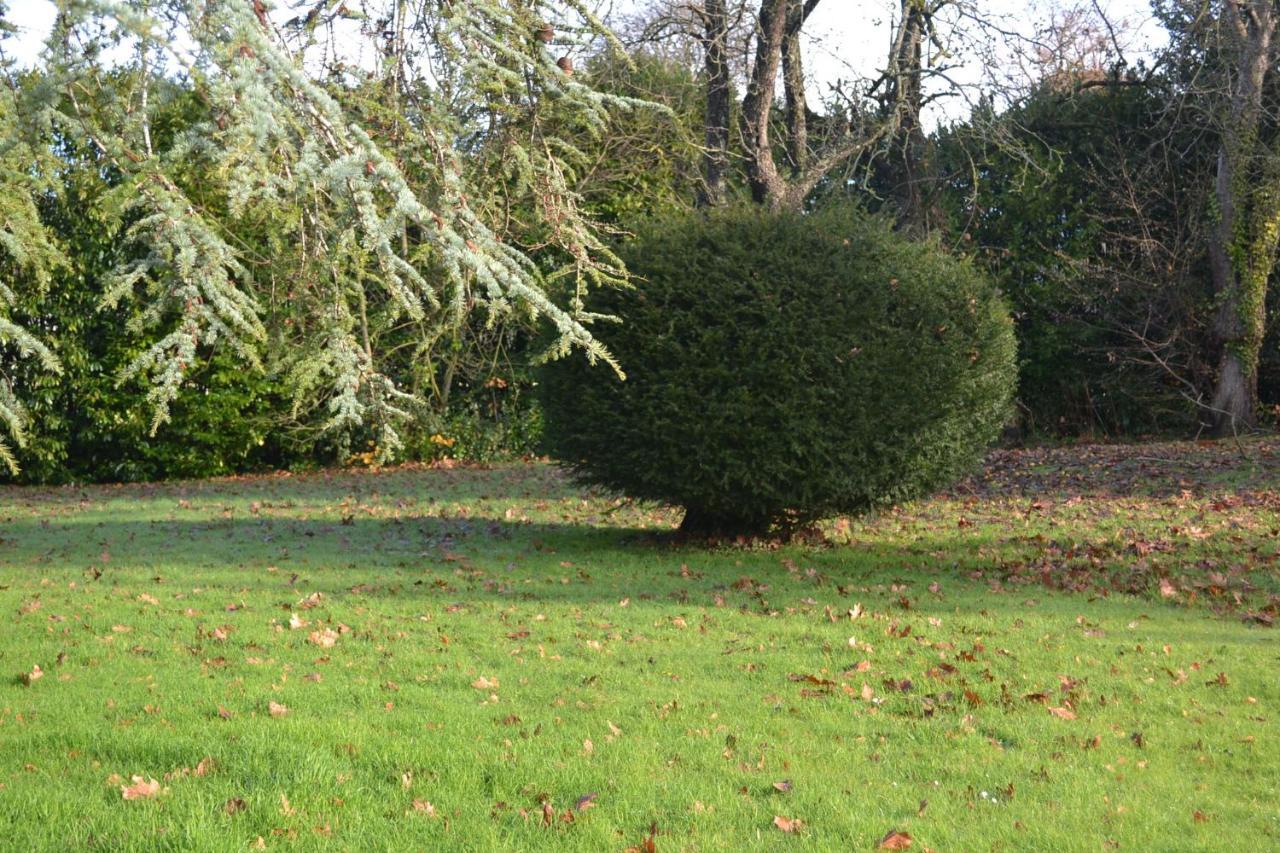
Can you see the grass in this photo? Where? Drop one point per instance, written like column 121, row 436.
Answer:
column 1069, row 652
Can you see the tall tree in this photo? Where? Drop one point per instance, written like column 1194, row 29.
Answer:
column 777, row 49
column 1242, row 245
column 467, row 205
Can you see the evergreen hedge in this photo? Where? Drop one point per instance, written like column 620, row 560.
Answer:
column 782, row 368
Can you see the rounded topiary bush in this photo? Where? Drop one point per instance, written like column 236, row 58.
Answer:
column 782, row 368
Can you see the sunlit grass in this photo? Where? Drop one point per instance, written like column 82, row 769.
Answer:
column 456, row 658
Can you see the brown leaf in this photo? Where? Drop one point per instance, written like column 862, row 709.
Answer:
column 788, row 824
column 784, row 786
column 424, row 807
column 235, row 804
column 276, row 709
column 484, row 682
column 324, row 639
column 895, row 840
column 811, row 679
column 1167, row 589
column 140, row 789
column 586, row 801
column 35, row 674
column 1063, row 713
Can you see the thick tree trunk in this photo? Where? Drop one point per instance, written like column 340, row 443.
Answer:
column 778, row 48
column 1235, row 399
column 1242, row 245
column 767, row 186
column 715, row 61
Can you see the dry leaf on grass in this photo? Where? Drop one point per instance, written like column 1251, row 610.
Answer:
column 140, row 789
column 788, row 824
column 895, row 840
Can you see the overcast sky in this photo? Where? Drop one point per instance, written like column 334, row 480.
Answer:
column 846, row 38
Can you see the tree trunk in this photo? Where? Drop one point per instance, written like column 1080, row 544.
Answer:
column 905, row 171
column 715, row 159
column 767, row 186
column 1242, row 245
column 793, row 87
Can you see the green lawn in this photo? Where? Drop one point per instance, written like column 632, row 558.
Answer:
column 1069, row 652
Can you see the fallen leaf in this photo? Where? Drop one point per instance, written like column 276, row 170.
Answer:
column 35, row 674
column 140, row 789
column 235, row 804
column 324, row 639
column 895, row 840
column 276, row 709
column 1064, row 713
column 424, row 807
column 784, row 786
column 788, row 824
column 484, row 682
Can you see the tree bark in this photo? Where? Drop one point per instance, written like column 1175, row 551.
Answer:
column 767, row 186
column 793, row 87
column 905, row 173
column 715, row 158
column 778, row 47
column 1242, row 245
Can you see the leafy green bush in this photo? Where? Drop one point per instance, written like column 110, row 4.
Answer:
column 785, row 368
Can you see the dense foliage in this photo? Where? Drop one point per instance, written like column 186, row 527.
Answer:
column 1088, row 209
column 785, row 367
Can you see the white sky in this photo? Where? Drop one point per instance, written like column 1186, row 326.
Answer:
column 846, row 38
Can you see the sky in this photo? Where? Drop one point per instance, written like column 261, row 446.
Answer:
column 845, row 38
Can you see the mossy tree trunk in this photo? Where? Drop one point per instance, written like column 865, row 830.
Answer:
column 1242, row 244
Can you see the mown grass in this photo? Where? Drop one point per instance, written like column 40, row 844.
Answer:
column 1069, row 652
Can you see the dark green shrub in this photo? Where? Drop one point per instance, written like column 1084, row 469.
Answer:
column 785, row 368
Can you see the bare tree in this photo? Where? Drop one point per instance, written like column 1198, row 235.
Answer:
column 778, row 27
